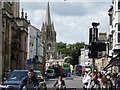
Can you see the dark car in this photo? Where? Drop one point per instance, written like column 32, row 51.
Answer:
column 66, row 73
column 16, row 76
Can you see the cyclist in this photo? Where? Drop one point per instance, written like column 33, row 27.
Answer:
column 29, row 81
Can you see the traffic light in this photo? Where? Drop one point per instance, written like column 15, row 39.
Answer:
column 101, row 47
column 36, row 57
column 34, row 61
column 93, row 50
column 95, row 34
column 90, row 35
column 89, row 55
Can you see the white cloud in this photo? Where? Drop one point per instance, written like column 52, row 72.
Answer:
column 56, row 0
column 71, row 20
column 62, row 0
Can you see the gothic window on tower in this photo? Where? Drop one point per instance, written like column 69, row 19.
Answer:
column 25, row 43
column 47, row 34
column 49, row 46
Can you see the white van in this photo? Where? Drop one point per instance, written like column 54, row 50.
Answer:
column 50, row 73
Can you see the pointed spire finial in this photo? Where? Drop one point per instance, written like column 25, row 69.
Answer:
column 26, row 16
column 47, row 17
column 22, row 13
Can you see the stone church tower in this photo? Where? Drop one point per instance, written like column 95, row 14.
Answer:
column 48, row 34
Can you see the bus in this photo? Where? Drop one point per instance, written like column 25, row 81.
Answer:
column 78, row 70
column 86, row 68
column 66, row 69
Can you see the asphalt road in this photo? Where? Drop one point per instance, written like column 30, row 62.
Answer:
column 73, row 82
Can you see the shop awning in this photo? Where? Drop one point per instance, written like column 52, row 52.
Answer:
column 115, row 61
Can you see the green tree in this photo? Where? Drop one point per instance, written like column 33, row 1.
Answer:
column 72, row 50
column 61, row 47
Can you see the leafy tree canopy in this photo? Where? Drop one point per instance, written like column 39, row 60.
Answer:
column 72, row 50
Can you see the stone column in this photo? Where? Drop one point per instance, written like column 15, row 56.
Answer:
column 0, row 42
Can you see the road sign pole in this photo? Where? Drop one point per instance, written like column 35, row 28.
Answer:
column 93, row 66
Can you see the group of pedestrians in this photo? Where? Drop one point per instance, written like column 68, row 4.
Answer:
column 91, row 81
column 101, row 81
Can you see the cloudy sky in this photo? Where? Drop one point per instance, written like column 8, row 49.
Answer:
column 72, row 20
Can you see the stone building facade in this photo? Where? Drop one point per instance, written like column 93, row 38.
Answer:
column 19, row 42
column 84, row 60
column 35, row 48
column 114, row 35
column 13, row 35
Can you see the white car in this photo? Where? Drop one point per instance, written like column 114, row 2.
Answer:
column 50, row 73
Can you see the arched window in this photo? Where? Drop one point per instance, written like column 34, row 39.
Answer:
column 49, row 46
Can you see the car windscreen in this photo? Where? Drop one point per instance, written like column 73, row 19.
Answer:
column 49, row 71
column 17, row 76
column 65, row 71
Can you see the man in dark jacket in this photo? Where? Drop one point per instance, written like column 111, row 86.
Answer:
column 29, row 81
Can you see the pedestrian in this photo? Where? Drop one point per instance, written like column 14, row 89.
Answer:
column 29, row 81
column 109, row 82
column 61, row 84
column 87, row 80
column 118, row 82
column 99, row 74
column 104, row 83
column 114, row 77
column 95, row 84
column 84, row 80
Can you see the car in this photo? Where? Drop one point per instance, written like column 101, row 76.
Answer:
column 16, row 76
column 50, row 73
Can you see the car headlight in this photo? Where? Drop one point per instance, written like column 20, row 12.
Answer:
column 2, row 86
column 9, row 87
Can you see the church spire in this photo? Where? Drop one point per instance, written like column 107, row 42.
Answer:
column 47, row 17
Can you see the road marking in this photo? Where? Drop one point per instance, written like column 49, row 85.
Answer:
column 70, row 88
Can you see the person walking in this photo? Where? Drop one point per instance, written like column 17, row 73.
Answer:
column 84, row 80
column 61, row 84
column 104, row 83
column 87, row 80
column 29, row 81
column 118, row 82
column 109, row 82
column 95, row 84
column 99, row 74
